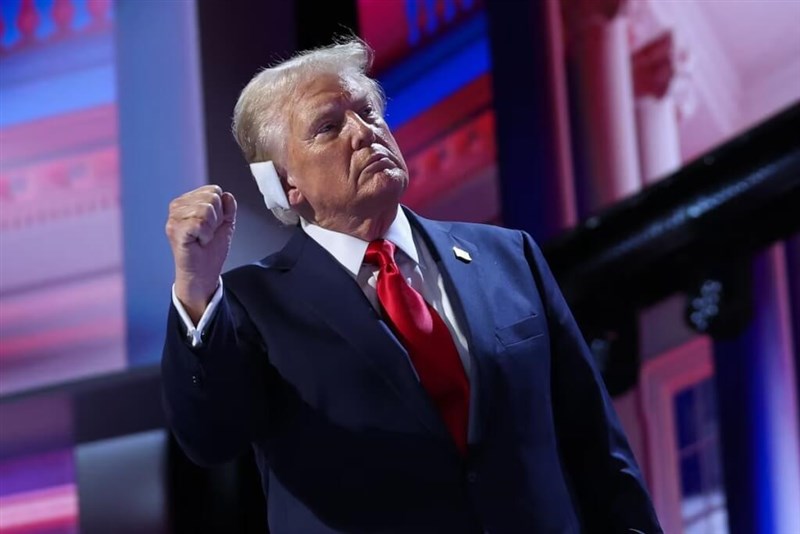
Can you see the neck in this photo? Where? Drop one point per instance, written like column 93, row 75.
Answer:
column 366, row 228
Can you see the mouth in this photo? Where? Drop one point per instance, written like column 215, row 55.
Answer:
column 378, row 162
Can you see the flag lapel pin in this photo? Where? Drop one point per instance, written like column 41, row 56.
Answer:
column 462, row 254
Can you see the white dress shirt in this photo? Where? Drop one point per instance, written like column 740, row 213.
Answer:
column 413, row 259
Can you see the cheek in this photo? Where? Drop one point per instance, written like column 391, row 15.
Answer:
column 389, row 140
column 387, row 136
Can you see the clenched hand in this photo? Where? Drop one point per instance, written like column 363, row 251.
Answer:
column 200, row 228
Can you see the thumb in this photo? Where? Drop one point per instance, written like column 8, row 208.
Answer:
column 228, row 207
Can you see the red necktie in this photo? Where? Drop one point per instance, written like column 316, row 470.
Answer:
column 426, row 338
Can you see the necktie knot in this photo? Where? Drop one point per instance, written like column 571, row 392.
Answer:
column 381, row 253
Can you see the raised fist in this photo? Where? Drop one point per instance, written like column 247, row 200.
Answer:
column 200, row 228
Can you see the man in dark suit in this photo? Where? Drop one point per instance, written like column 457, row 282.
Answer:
column 392, row 373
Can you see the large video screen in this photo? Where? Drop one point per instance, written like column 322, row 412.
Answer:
column 61, row 272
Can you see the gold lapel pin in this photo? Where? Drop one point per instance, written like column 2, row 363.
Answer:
column 462, row 254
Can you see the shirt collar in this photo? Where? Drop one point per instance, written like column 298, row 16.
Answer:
column 349, row 250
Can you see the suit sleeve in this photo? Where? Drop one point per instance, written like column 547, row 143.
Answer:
column 217, row 396
column 604, row 475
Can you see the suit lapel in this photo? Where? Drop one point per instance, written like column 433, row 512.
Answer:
column 335, row 297
column 462, row 281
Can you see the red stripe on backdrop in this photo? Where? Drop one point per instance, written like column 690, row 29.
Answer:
column 384, row 27
column 58, row 135
column 415, row 134
column 61, row 339
column 59, row 186
column 443, row 166
column 40, row 510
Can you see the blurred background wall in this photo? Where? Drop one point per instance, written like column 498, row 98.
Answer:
column 652, row 147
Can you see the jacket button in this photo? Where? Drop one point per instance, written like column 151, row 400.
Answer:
column 472, row 477
column 195, row 380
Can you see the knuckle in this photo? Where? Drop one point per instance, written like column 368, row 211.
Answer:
column 206, row 197
column 213, row 200
column 208, row 212
column 210, row 189
column 194, row 228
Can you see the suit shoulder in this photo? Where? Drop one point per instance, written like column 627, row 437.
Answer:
column 489, row 232
column 472, row 231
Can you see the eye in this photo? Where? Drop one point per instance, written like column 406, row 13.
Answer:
column 326, row 128
column 368, row 112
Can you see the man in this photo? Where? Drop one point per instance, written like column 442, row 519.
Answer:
column 392, row 373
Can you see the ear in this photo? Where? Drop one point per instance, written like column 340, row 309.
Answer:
column 292, row 192
column 287, row 182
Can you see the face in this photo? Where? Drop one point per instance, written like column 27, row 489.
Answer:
column 343, row 163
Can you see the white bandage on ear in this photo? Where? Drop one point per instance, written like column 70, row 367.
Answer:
column 269, row 183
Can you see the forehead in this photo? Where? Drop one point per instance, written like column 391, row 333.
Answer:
column 324, row 91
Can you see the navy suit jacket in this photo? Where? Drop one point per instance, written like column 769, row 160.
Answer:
column 298, row 364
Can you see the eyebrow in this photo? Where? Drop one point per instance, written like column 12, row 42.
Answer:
column 325, row 111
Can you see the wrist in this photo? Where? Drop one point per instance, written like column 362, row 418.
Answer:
column 195, row 294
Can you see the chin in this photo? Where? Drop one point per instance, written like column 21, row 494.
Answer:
column 393, row 175
column 387, row 187
column 394, row 179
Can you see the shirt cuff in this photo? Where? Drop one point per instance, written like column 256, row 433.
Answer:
column 195, row 333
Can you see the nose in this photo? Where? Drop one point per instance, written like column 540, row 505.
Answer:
column 362, row 133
